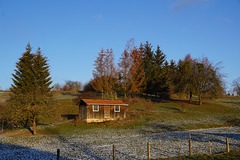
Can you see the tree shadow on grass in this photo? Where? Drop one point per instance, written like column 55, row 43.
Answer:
column 83, row 148
column 197, row 137
column 8, row 151
column 159, row 128
column 172, row 108
column 226, row 135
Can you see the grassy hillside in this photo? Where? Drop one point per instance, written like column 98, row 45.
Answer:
column 149, row 116
column 181, row 115
column 172, row 115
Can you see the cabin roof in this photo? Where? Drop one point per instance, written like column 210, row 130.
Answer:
column 104, row 102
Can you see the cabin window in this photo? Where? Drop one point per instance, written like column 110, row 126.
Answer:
column 95, row 108
column 117, row 108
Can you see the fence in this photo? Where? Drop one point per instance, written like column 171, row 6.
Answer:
column 191, row 149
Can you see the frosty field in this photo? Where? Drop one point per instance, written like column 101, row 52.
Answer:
column 130, row 144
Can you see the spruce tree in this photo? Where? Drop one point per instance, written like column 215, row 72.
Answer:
column 159, row 74
column 30, row 91
column 155, row 71
column 148, row 57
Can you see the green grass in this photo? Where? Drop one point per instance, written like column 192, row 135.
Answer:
column 172, row 115
column 64, row 95
column 181, row 115
column 233, row 155
column 67, row 127
column 152, row 116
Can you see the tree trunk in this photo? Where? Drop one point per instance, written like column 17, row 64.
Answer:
column 125, row 92
column 200, row 99
column 2, row 126
column 34, row 125
column 190, row 97
column 26, row 123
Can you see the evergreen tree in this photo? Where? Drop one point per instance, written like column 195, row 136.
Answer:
column 171, row 74
column 30, row 91
column 148, row 57
column 157, row 78
column 159, row 74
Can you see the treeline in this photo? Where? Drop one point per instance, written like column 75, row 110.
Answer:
column 139, row 70
column 144, row 69
column 68, row 86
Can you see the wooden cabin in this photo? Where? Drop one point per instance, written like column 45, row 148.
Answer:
column 95, row 110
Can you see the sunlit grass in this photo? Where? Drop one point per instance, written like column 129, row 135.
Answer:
column 170, row 115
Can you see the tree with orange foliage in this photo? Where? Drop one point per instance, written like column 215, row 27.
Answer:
column 124, row 68
column 98, row 73
column 105, row 75
column 136, row 73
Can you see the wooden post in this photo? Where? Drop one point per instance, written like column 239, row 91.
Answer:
column 179, row 153
column 210, row 150
column 114, row 153
column 148, row 146
column 2, row 126
column 58, row 154
column 190, row 148
column 190, row 145
column 227, row 144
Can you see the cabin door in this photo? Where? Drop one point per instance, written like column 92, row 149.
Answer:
column 106, row 111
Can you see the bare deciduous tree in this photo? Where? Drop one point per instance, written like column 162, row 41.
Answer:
column 236, row 86
column 206, row 78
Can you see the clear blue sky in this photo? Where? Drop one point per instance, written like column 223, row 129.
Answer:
column 72, row 32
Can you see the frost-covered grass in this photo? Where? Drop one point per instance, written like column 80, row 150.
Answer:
column 181, row 115
column 97, row 143
column 233, row 155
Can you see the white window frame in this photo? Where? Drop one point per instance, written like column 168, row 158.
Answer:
column 95, row 110
column 116, row 107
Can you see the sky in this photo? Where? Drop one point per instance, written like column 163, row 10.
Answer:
column 71, row 33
